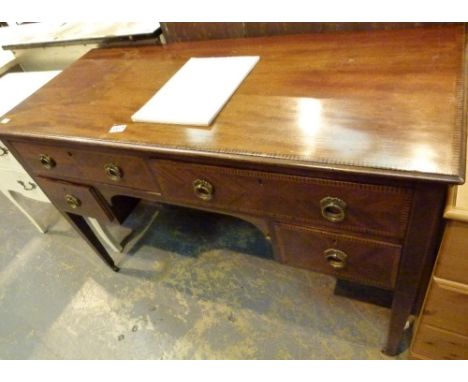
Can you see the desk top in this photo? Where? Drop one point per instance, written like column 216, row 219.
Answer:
column 380, row 102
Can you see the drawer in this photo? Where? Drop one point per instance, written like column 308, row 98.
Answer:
column 22, row 183
column 365, row 208
column 447, row 307
column 7, row 160
column 346, row 257
column 110, row 168
column 435, row 343
column 452, row 263
column 77, row 198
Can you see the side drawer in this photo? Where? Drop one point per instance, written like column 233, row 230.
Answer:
column 110, row 168
column 347, row 257
column 77, row 198
column 366, row 208
column 447, row 307
column 437, row 344
column 452, row 263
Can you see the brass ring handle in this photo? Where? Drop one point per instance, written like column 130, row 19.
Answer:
column 72, row 201
column 203, row 189
column 113, row 172
column 31, row 186
column 3, row 151
column 47, row 161
column 335, row 258
column 333, row 209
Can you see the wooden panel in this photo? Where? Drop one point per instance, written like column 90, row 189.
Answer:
column 435, row 343
column 368, row 261
column 91, row 203
column 452, row 263
column 176, row 32
column 83, row 164
column 371, row 209
column 447, row 308
column 389, row 102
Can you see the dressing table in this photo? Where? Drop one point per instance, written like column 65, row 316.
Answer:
column 339, row 147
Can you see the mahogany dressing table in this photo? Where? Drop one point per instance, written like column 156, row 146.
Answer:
column 339, row 147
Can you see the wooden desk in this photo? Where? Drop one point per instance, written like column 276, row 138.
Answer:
column 339, row 147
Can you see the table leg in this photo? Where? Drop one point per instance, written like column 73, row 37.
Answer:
column 417, row 260
column 81, row 226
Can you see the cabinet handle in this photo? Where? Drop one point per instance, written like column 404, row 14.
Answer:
column 26, row 187
column 203, row 189
column 47, row 161
column 335, row 258
column 113, row 172
column 72, row 201
column 3, row 151
column 333, row 209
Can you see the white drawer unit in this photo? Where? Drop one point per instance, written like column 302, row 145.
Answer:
column 7, row 160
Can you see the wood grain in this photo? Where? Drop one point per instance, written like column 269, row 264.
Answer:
column 369, row 262
column 388, row 101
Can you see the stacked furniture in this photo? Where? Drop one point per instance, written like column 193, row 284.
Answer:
column 442, row 328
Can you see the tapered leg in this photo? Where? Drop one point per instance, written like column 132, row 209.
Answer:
column 79, row 223
column 417, row 260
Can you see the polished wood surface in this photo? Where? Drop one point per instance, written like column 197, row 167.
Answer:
column 387, row 102
column 366, row 261
column 370, row 209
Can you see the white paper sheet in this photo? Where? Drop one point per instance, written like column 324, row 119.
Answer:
column 197, row 92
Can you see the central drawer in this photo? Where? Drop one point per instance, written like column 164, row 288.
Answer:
column 81, row 164
column 365, row 208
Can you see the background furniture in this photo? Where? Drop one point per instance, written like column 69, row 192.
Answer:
column 338, row 147
column 442, row 328
column 14, row 180
column 54, row 46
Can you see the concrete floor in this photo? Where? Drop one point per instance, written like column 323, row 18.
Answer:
column 193, row 286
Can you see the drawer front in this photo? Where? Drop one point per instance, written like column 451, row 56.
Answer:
column 435, row 343
column 110, row 168
column 452, row 263
column 447, row 308
column 373, row 209
column 77, row 198
column 7, row 160
column 22, row 183
column 346, row 257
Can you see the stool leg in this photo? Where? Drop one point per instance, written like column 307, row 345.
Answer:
column 12, row 199
column 105, row 235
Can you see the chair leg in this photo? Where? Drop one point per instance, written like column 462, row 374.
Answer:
column 105, row 235
column 11, row 197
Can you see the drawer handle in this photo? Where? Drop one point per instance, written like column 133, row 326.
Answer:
column 335, row 258
column 333, row 209
column 72, row 201
column 203, row 189
column 47, row 161
column 26, row 187
column 3, row 151
column 113, row 172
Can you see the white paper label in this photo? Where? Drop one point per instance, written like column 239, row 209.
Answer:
column 117, row 128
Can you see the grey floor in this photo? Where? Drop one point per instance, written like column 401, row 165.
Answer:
column 192, row 286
